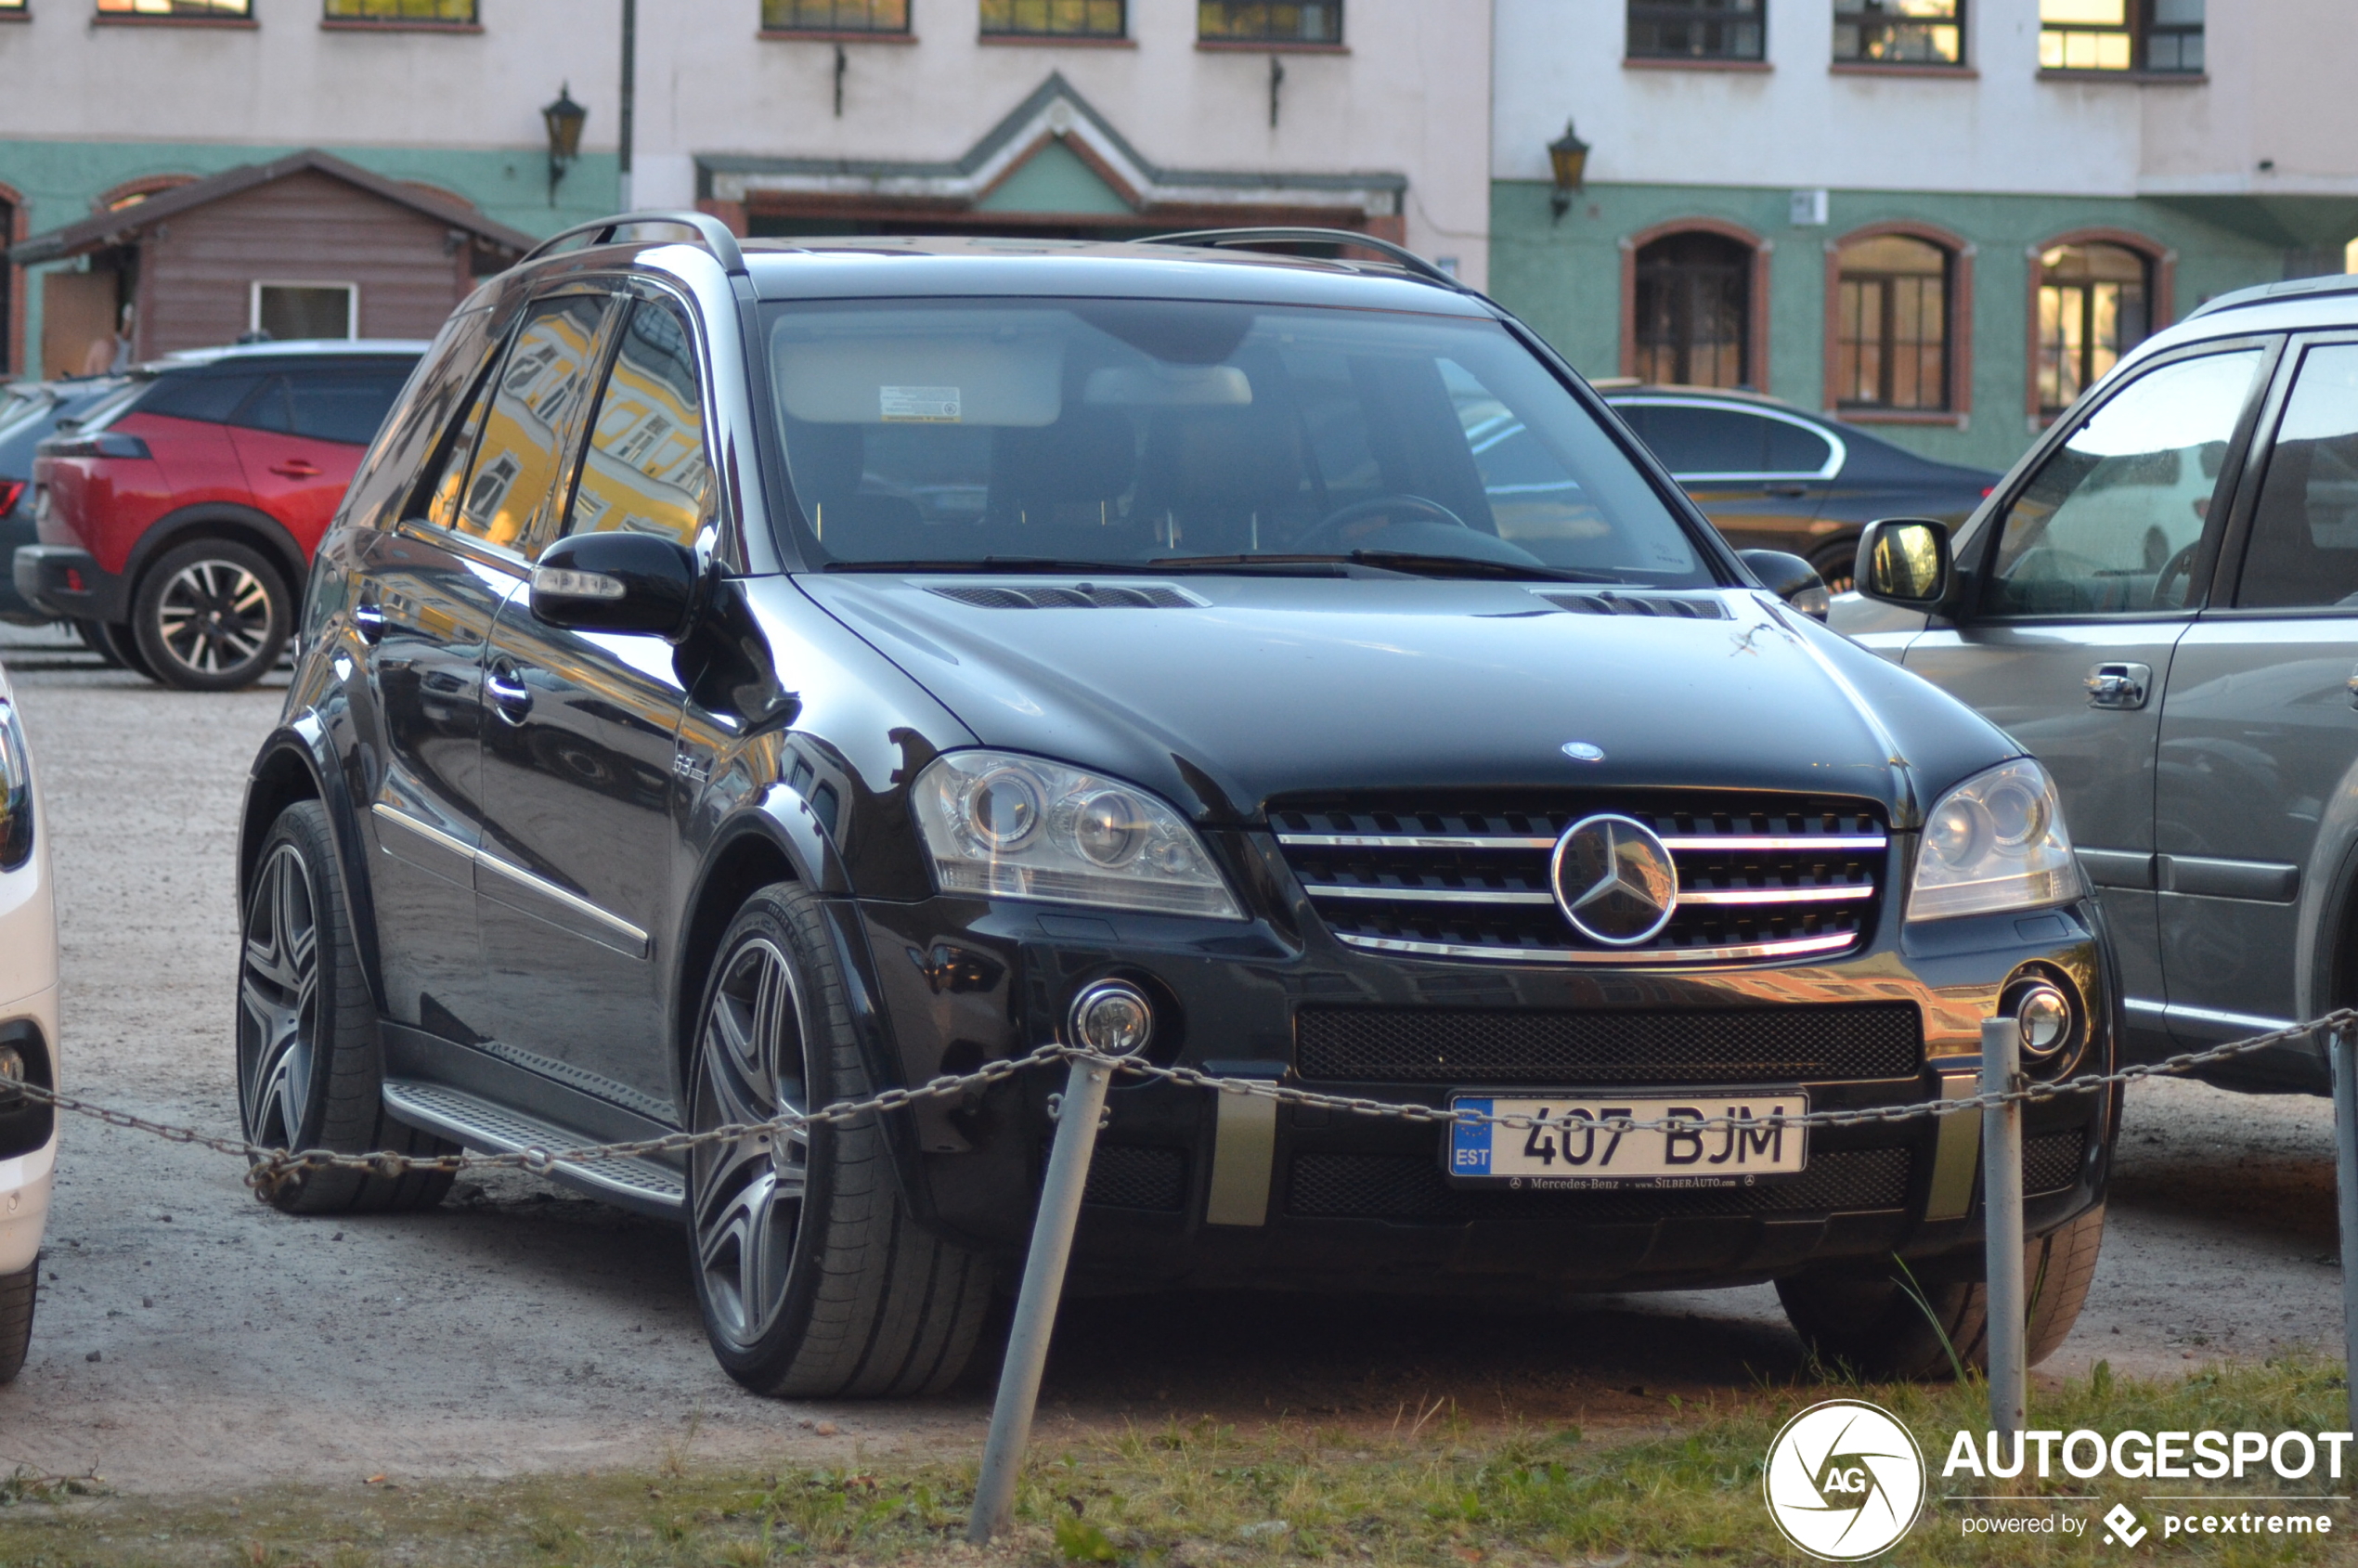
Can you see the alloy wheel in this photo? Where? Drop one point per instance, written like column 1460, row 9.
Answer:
column 215, row 617
column 279, row 1001
column 748, row 1194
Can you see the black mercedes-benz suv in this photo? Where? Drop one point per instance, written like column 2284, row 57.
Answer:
column 750, row 677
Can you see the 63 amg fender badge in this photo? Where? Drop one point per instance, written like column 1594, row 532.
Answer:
column 1614, row 879
column 1844, row 1481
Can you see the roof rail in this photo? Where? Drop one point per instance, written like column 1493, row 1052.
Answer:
column 1406, row 258
column 2271, row 293
column 711, row 231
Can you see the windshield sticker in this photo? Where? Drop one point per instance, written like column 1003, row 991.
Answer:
column 921, row 405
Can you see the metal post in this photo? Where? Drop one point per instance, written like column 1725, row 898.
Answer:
column 2344, row 1049
column 1044, row 1283
column 2001, row 1224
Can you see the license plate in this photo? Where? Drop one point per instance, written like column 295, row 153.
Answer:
column 1578, row 1144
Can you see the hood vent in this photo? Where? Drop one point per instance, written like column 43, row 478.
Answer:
column 1666, row 606
column 1083, row 596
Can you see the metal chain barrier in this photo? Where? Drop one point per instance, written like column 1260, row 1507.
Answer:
column 271, row 1168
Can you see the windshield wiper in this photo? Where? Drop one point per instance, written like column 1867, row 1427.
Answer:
column 1475, row 567
column 1297, row 566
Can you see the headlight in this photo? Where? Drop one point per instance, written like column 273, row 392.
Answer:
column 1016, row 827
column 16, row 793
column 1995, row 842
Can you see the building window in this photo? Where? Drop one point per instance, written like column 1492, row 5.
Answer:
column 1054, row 18
column 1709, row 30
column 241, row 8
column 2160, row 35
column 835, row 16
column 1900, row 31
column 2095, row 305
column 1891, row 325
column 431, row 13
column 1268, row 22
column 296, row 312
column 1694, row 325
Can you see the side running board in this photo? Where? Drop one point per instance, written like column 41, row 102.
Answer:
column 643, row 1184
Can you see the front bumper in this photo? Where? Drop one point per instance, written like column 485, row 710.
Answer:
column 1335, row 1200
column 65, row 582
column 28, row 1132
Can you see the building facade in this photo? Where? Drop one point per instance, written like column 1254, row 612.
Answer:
column 1944, row 217
column 1038, row 117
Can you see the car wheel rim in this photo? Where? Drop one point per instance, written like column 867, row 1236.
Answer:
column 278, row 1001
column 747, row 1192
column 213, row 617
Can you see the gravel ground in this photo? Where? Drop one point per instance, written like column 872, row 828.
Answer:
column 189, row 1338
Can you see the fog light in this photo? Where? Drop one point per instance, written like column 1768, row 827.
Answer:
column 12, row 1073
column 2044, row 1015
column 1112, row 1017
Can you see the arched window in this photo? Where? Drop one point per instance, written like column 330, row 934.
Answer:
column 1693, row 322
column 2096, row 303
column 1892, row 324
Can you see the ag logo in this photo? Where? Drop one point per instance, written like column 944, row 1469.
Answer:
column 1844, row 1480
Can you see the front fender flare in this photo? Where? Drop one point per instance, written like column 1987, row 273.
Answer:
column 303, row 741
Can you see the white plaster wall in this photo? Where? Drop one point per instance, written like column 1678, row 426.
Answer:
column 2281, row 73
column 1410, row 96
column 291, row 81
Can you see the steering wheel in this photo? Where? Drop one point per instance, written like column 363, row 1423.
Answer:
column 1328, row 533
column 2178, row 565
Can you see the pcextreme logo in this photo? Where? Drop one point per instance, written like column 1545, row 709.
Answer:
column 1844, row 1480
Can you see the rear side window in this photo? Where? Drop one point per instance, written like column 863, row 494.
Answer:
column 214, row 399
column 2304, row 538
column 344, row 405
column 1694, row 440
column 511, row 439
column 645, row 472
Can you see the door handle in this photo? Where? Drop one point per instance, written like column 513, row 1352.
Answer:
column 369, row 620
column 1789, row 490
column 2119, row 685
column 296, row 468
column 508, row 692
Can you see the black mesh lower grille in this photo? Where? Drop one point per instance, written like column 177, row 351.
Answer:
column 1123, row 1177
column 1394, row 1186
column 2051, row 1161
column 1797, row 1044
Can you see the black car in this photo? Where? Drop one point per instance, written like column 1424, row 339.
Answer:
column 30, row 415
column 747, row 678
column 1771, row 476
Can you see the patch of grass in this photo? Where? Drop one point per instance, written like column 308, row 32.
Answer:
column 1442, row 1493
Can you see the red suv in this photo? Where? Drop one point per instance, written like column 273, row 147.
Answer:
column 178, row 518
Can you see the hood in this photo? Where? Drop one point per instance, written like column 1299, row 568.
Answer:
column 1233, row 691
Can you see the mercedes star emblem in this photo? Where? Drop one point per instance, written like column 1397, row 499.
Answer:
column 1614, row 879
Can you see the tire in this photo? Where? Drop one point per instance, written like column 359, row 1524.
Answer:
column 93, row 636
column 1866, row 1319
column 117, row 646
column 16, row 1318
column 839, row 1292
column 310, row 1065
column 1838, row 568
column 210, row 616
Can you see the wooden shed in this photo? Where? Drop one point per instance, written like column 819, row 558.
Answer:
column 304, row 246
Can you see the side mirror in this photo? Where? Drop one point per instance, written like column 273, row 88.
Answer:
column 1904, row 561
column 616, row 582
column 1790, row 578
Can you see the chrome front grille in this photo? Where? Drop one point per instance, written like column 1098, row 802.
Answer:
column 1760, row 878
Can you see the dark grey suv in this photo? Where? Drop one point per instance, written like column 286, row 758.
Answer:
column 2162, row 603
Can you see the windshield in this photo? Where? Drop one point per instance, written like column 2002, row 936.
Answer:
column 1122, row 433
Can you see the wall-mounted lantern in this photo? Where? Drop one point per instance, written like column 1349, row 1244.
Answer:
column 564, row 119
column 1568, row 158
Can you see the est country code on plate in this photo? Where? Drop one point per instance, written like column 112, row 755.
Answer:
column 1576, row 1144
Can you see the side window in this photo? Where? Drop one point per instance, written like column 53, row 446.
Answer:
column 2109, row 524
column 645, row 470
column 459, row 449
column 210, row 399
column 2305, row 537
column 1692, row 440
column 1796, row 450
column 518, row 428
column 345, row 404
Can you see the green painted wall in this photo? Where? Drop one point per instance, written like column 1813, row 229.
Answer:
column 61, row 179
column 1565, row 278
column 1056, row 180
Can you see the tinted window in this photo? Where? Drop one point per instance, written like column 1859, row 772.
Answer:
column 344, row 405
column 268, row 409
column 2109, row 523
column 1696, row 440
column 2304, row 538
column 533, row 400
column 1796, row 450
column 1122, row 430
column 645, row 470
column 210, row 399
